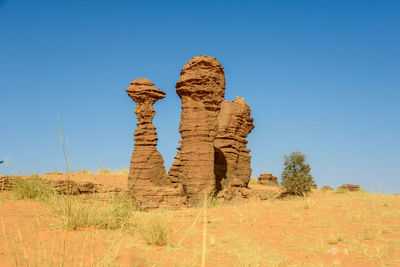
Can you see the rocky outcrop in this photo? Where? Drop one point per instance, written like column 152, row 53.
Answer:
column 232, row 158
column 148, row 180
column 63, row 186
column 349, row 187
column 267, row 179
column 326, row 188
column 212, row 156
column 201, row 89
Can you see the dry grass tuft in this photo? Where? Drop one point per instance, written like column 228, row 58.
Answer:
column 75, row 212
column 32, row 188
column 104, row 171
column 155, row 229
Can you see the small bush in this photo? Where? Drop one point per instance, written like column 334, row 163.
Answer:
column 336, row 238
column 75, row 213
column 341, row 191
column 296, row 177
column 31, row 188
column 253, row 180
column 155, row 231
column 124, row 171
column 104, row 171
column 84, row 171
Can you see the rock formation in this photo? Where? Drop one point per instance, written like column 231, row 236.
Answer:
column 148, row 179
column 201, row 89
column 326, row 188
column 267, row 179
column 349, row 187
column 232, row 158
column 212, row 156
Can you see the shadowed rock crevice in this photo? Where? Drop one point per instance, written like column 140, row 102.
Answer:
column 220, row 168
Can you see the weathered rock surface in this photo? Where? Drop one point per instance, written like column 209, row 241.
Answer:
column 7, row 183
column 349, row 187
column 232, row 158
column 267, row 179
column 244, row 193
column 148, row 180
column 201, row 89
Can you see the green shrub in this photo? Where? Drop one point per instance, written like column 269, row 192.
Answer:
column 31, row 188
column 296, row 177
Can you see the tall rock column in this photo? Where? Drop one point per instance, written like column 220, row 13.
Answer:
column 148, row 180
column 201, row 88
column 232, row 158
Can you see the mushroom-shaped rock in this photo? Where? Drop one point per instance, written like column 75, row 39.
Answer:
column 148, row 179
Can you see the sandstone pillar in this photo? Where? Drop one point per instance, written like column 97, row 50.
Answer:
column 148, row 180
column 201, row 89
column 232, row 158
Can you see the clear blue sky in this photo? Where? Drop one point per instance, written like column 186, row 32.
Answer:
column 321, row 77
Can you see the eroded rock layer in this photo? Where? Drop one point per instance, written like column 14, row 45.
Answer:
column 350, row 187
column 201, row 89
column 148, row 180
column 267, row 179
column 232, row 158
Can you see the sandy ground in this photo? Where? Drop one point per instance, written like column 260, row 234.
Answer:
column 325, row 229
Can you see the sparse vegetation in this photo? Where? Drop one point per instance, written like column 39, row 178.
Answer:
column 296, row 177
column 124, row 171
column 324, row 223
column 31, row 188
column 155, row 230
column 253, row 180
column 103, row 171
column 84, row 171
column 74, row 212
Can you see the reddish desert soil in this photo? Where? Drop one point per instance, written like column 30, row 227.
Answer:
column 324, row 229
